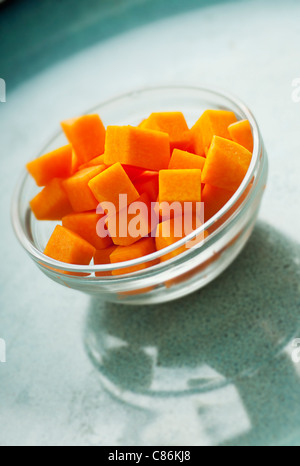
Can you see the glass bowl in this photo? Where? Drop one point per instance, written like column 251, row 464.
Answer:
column 191, row 270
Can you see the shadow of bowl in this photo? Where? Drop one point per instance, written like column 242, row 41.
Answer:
column 226, row 331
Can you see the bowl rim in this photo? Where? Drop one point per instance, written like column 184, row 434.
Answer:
column 61, row 267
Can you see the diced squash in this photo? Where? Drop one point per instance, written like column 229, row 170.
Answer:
column 102, row 257
column 137, row 147
column 214, row 199
column 78, row 191
column 173, row 230
column 172, row 123
column 168, row 210
column 85, row 225
column 142, row 123
column 95, row 162
column 142, row 248
column 56, row 164
column 197, row 145
column 226, row 164
column 75, row 163
column 148, row 183
column 87, row 136
column 241, row 133
column 125, row 192
column 132, row 223
column 184, row 160
column 211, row 123
column 169, row 233
column 133, row 172
column 66, row 246
column 111, row 183
column 51, row 203
column 180, row 185
column 232, row 210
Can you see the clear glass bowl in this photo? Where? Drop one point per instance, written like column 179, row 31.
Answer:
column 229, row 229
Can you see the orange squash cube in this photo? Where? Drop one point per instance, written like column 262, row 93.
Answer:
column 226, row 164
column 183, row 160
column 97, row 161
column 142, row 248
column 108, row 185
column 214, row 199
column 87, row 136
column 172, row 123
column 211, row 123
column 56, row 164
column 66, row 246
column 85, row 225
column 173, row 230
column 241, row 133
column 51, row 203
column 180, row 185
column 102, row 257
column 78, row 191
column 137, row 147
column 131, row 224
column 148, row 183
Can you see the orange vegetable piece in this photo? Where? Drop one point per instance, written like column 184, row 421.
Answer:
column 166, row 235
column 102, row 257
column 85, row 225
column 183, row 160
column 214, row 199
column 142, row 248
column 75, row 163
column 172, row 123
column 132, row 223
column 137, row 147
column 241, row 133
column 167, row 210
column 51, row 203
column 112, row 182
column 56, row 164
column 180, row 185
column 173, row 230
column 66, row 246
column 211, row 123
column 226, row 164
column 133, row 172
column 78, row 191
column 142, row 123
column 148, row 183
column 95, row 162
column 87, row 136
column 197, row 147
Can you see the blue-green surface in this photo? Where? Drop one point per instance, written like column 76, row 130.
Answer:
column 61, row 58
column 50, row 31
